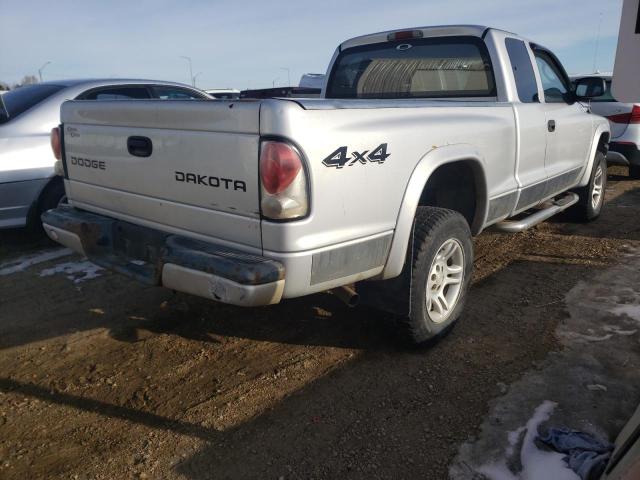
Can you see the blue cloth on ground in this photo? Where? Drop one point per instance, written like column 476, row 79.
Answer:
column 586, row 454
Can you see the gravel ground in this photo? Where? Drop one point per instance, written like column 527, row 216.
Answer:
column 103, row 378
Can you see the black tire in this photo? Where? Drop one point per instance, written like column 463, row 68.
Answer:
column 634, row 172
column 585, row 210
column 434, row 230
column 50, row 197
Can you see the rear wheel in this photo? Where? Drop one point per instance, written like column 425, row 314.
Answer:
column 634, row 172
column 441, row 265
column 591, row 195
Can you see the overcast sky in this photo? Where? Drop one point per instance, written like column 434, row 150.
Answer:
column 247, row 44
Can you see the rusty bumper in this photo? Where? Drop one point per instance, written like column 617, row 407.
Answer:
column 174, row 261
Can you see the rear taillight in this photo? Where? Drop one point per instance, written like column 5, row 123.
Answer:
column 404, row 35
column 630, row 117
column 283, row 181
column 56, row 145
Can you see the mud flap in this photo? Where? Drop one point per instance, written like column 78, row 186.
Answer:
column 393, row 295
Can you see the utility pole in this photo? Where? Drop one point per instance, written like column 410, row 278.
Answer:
column 188, row 59
column 288, row 75
column 41, row 69
column 595, row 53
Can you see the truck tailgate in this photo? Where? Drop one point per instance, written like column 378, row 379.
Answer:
column 188, row 165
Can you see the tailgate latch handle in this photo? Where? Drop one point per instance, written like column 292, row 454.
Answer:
column 139, row 146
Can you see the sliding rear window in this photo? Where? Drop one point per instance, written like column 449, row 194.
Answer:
column 424, row 68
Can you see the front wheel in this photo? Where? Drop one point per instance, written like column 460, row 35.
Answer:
column 591, row 195
column 441, row 266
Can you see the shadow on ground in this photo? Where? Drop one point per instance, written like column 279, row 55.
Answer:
column 255, row 393
column 391, row 413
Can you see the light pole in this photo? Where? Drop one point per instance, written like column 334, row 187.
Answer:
column 40, row 70
column 595, row 53
column 273, row 83
column 188, row 59
column 288, row 75
column 194, row 78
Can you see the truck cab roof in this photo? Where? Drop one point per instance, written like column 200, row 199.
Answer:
column 432, row 31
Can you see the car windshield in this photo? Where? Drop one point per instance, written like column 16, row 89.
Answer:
column 421, row 68
column 22, row 99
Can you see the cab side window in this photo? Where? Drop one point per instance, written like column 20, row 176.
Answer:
column 117, row 93
column 174, row 93
column 522, row 70
column 554, row 84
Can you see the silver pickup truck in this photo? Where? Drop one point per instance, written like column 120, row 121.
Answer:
column 422, row 138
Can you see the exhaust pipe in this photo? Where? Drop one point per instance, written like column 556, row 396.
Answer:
column 348, row 295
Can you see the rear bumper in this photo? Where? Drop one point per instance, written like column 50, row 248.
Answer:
column 623, row 154
column 173, row 261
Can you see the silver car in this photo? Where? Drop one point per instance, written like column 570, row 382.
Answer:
column 28, row 184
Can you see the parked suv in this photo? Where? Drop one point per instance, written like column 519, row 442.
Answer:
column 624, row 119
column 28, row 185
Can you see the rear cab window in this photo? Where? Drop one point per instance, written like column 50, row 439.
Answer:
column 443, row 67
column 18, row 101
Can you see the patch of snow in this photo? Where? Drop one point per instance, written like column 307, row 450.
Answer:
column 618, row 331
column 77, row 272
column 588, row 338
column 513, row 438
column 631, row 311
column 596, row 387
column 536, row 464
column 22, row 263
column 595, row 367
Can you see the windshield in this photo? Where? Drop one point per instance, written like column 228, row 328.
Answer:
column 22, row 99
column 425, row 68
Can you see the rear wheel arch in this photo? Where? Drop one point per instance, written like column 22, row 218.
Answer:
column 600, row 143
column 603, row 143
column 459, row 186
column 441, row 162
column 45, row 200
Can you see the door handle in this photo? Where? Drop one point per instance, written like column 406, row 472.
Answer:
column 139, row 146
column 551, row 125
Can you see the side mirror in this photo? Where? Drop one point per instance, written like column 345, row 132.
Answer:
column 589, row 87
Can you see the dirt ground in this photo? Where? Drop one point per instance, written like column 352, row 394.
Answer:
column 106, row 379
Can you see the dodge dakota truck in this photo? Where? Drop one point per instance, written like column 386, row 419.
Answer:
column 421, row 139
